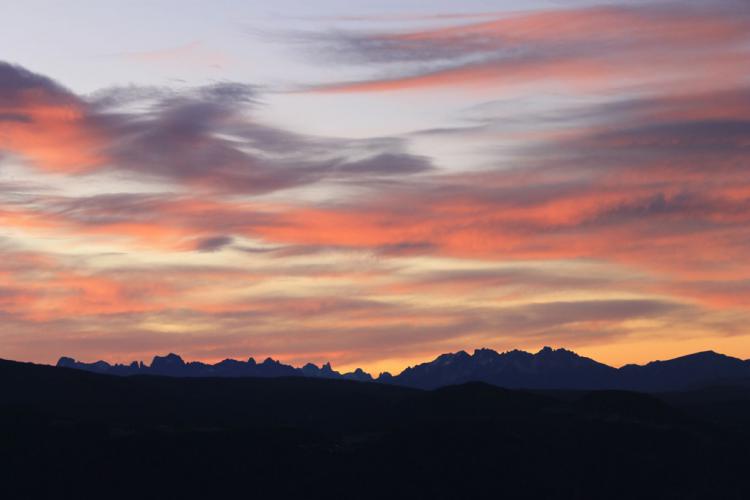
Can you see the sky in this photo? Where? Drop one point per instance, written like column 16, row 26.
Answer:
column 373, row 183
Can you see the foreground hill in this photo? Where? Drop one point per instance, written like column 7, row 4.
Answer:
column 547, row 369
column 71, row 433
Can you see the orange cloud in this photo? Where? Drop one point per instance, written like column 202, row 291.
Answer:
column 583, row 24
column 580, row 48
column 50, row 128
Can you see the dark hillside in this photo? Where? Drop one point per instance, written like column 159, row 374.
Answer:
column 73, row 434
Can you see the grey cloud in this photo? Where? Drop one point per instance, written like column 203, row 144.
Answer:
column 517, row 276
column 164, row 208
column 213, row 145
column 15, row 81
column 213, row 244
column 114, row 97
column 207, row 138
column 231, row 92
column 512, row 45
column 8, row 292
column 560, row 313
column 387, row 164
column 14, row 117
column 108, row 208
column 374, row 47
column 407, row 248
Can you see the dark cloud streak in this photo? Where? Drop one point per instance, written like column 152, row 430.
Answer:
column 205, row 138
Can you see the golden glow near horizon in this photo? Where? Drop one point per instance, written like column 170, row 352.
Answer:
column 567, row 176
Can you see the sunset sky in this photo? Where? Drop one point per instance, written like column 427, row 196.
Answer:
column 373, row 183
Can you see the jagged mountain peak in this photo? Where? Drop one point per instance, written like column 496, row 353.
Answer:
column 450, row 357
column 559, row 352
column 170, row 358
column 66, row 362
column 485, row 352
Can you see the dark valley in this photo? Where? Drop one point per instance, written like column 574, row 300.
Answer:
column 289, row 436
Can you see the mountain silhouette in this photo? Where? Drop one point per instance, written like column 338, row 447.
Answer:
column 173, row 365
column 688, row 371
column 563, row 369
column 547, row 369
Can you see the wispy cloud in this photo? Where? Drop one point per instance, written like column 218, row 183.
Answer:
column 587, row 47
column 204, row 138
column 194, row 53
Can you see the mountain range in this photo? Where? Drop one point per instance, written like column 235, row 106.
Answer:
column 547, row 369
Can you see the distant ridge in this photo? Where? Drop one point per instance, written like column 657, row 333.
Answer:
column 173, row 365
column 547, row 369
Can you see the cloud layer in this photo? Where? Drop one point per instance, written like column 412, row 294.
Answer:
column 616, row 220
column 582, row 48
